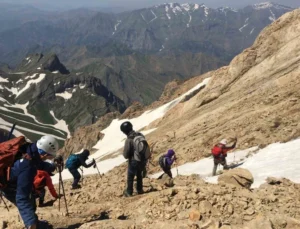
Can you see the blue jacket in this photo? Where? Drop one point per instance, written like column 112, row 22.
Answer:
column 21, row 178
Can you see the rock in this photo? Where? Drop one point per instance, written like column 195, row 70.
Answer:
column 211, row 224
column 273, row 181
column 205, row 207
column 195, row 215
column 259, row 222
column 238, row 177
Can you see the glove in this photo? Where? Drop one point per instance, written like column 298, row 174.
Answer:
column 58, row 159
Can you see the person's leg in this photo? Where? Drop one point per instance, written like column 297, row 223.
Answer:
column 168, row 172
column 76, row 176
column 139, row 178
column 224, row 163
column 132, row 169
column 42, row 193
column 215, row 168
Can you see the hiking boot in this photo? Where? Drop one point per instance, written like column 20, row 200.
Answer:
column 140, row 192
column 126, row 194
column 76, row 187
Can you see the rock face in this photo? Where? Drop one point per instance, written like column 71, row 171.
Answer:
column 238, row 177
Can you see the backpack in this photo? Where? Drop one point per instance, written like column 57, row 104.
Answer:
column 9, row 153
column 141, row 147
column 162, row 162
column 216, row 151
column 72, row 161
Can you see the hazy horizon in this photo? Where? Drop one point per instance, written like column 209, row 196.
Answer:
column 134, row 4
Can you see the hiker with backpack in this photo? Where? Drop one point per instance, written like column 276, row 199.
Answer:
column 19, row 162
column 74, row 162
column 43, row 179
column 137, row 151
column 219, row 153
column 166, row 161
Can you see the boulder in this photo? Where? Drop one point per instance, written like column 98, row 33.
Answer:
column 238, row 177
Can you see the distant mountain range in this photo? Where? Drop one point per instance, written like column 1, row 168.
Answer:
column 136, row 53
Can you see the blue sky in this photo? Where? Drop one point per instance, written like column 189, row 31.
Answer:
column 129, row 4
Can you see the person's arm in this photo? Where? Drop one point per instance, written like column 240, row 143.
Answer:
column 84, row 164
column 127, row 149
column 169, row 161
column 50, row 186
column 25, row 178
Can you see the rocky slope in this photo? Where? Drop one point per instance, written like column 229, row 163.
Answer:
column 186, row 202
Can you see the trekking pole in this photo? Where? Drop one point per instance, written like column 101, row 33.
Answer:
column 11, row 131
column 82, row 175
column 4, row 201
column 63, row 190
column 98, row 170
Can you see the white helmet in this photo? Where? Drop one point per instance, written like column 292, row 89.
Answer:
column 48, row 144
column 223, row 141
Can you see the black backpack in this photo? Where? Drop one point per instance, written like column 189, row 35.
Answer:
column 162, row 162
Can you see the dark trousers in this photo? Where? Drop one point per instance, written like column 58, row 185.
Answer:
column 76, row 176
column 10, row 195
column 217, row 161
column 168, row 172
column 135, row 168
column 41, row 195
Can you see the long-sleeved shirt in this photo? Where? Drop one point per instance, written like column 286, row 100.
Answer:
column 82, row 159
column 43, row 179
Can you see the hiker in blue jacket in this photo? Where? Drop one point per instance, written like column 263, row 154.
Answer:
column 19, row 189
column 73, row 163
column 166, row 161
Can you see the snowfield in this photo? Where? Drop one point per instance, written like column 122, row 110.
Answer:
column 277, row 160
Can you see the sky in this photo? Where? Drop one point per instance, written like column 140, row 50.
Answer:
column 133, row 4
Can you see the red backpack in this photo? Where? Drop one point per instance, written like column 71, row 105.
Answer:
column 216, row 151
column 8, row 152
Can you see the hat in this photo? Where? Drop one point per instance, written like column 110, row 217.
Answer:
column 223, row 141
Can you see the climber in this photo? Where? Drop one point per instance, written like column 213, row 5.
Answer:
column 43, row 179
column 19, row 186
column 73, row 163
column 219, row 153
column 137, row 151
column 166, row 161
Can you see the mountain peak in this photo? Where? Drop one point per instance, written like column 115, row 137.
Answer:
column 39, row 61
column 267, row 5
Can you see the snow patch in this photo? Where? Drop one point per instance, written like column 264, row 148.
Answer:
column 143, row 17
column 66, row 95
column 155, row 17
column 31, row 77
column 19, row 81
column 81, row 86
column 252, row 30
column 167, row 10
column 241, row 29
column 55, row 72
column 61, row 124
column 2, row 80
column 196, row 7
column 12, row 90
column 116, row 26
column 186, row 6
column 273, row 17
column 35, row 81
column 162, row 47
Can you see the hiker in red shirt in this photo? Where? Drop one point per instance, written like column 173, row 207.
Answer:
column 41, row 180
column 219, row 153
